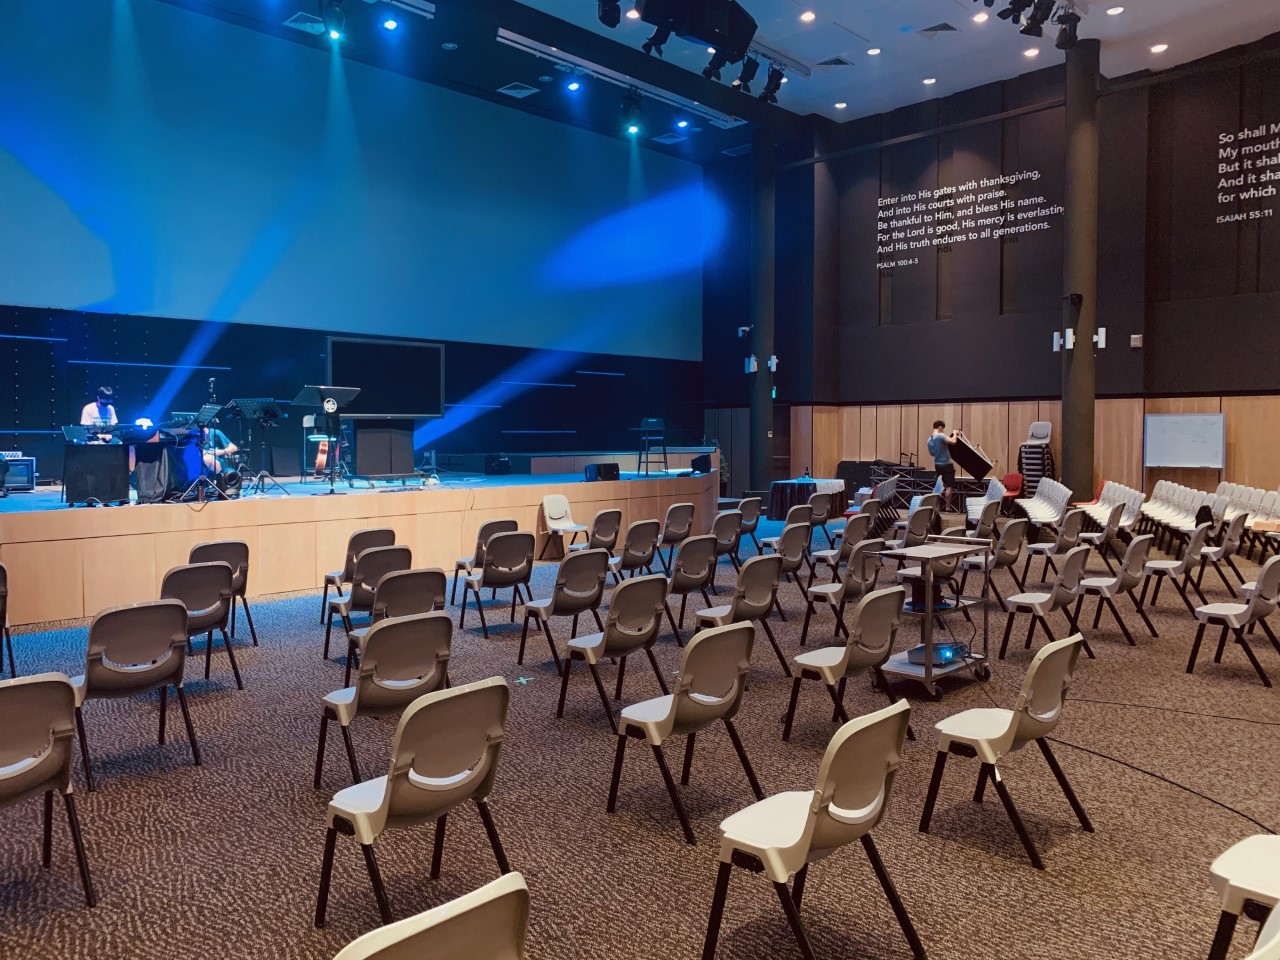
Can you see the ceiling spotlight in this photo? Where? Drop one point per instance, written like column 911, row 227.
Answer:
column 750, row 67
column 633, row 14
column 1114, row 11
column 632, row 112
column 929, row 81
column 841, row 105
column 1160, row 48
column 609, row 12
column 682, row 124
column 335, row 19
column 808, row 16
column 573, row 86
column 1039, row 16
column 389, row 24
column 873, row 52
column 1068, row 22
column 1014, row 11
column 773, row 84
column 981, row 17
column 718, row 60
column 656, row 42
column 1031, row 52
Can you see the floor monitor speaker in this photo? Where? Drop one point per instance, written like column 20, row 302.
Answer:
column 602, row 471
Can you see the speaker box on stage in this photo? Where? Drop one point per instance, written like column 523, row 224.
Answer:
column 497, row 465
column 602, row 471
column 701, row 463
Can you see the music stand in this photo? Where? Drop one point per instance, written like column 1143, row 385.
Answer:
column 330, row 400
column 266, row 413
column 207, row 414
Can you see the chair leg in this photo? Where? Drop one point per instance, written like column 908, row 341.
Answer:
column 551, row 643
column 328, row 632
column 46, row 849
column 375, row 878
column 793, row 917
column 1008, row 628
column 453, row 591
column 797, row 887
column 326, row 875
column 808, row 615
column 675, row 631
column 1142, row 613
column 324, row 602
column 791, row 709
column 1061, row 777
column 564, row 684
column 712, row 938
column 484, row 624
column 1222, row 645
column 1195, row 648
column 8, row 645
column 82, row 861
column 1252, row 657
column 604, row 697
column 675, row 795
column 248, row 617
column 622, row 672
column 164, row 711
column 931, row 798
column 687, row 767
column 891, row 893
column 1097, row 612
column 617, row 773
column 231, row 655
column 437, row 847
column 742, row 757
column 351, row 753
column 1124, row 628
column 84, row 749
column 786, row 667
column 1222, row 936
column 186, row 719
column 1019, row 827
column 323, row 739
column 1217, row 568
column 778, row 606
column 491, row 830
column 837, row 698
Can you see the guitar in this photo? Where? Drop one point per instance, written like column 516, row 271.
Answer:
column 322, row 457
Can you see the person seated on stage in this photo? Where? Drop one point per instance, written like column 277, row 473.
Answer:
column 100, row 412
column 215, row 445
column 940, row 447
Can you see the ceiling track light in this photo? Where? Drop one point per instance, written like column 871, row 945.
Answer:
column 1041, row 11
column 632, row 112
column 773, row 84
column 1014, row 11
column 609, row 12
column 656, row 42
column 1068, row 21
column 335, row 19
column 750, row 67
column 718, row 60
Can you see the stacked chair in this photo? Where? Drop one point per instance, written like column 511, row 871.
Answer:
column 973, row 506
column 1048, row 506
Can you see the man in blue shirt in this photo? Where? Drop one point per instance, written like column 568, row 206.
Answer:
column 940, row 448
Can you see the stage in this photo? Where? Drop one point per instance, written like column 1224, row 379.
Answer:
column 69, row 562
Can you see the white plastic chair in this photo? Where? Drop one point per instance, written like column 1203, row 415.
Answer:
column 559, row 520
column 1106, row 589
column 1247, row 872
column 1065, row 591
column 1237, row 617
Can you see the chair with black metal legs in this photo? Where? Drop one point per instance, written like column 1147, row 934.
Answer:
column 1236, row 618
column 579, row 588
column 1177, row 572
column 856, row 529
column 1064, row 592
column 401, row 593
column 792, row 545
column 820, row 505
column 1106, row 589
column 508, row 563
column 676, row 528
column 1006, row 555
column 133, row 649
column 371, row 566
column 713, row 676
column 1067, row 539
column 445, row 753
column 558, row 519
column 868, row 644
column 486, row 924
column 751, row 508
column 727, row 529
column 1216, row 556
column 37, row 714
column 985, row 526
column 604, row 532
column 205, row 590
column 235, row 553
column 631, row 625
column 639, row 549
column 1104, row 540
column 782, row 835
column 466, row 565
column 754, row 596
column 1246, row 878
column 800, row 513
column 861, row 572
column 357, row 543
column 991, row 734
column 403, row 659
column 4, row 623
column 692, row 568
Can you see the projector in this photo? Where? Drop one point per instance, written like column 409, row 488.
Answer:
column 943, row 654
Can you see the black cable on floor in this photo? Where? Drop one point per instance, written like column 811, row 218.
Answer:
column 1186, row 713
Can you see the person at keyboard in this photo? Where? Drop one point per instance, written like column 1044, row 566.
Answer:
column 100, row 412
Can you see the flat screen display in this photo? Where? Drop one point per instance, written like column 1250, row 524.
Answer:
column 397, row 378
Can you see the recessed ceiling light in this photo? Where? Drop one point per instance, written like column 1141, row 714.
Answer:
column 873, row 52
column 841, row 105
column 1114, row 11
column 711, row 50
column 448, row 46
column 929, row 81
column 808, row 16
column 389, row 24
column 981, row 16
column 785, row 79
column 633, row 14
column 1160, row 48
column 1031, row 52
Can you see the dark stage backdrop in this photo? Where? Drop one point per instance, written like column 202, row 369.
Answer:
column 497, row 398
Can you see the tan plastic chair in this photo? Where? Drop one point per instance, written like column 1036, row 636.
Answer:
column 727, row 529
column 1246, row 878
column 868, row 644
column 1106, row 589
column 992, row 733
column 604, row 532
column 713, row 676
column 751, row 508
column 234, row 553
column 782, row 835
column 676, row 528
column 820, row 505
column 1064, row 592
column 403, row 658
column 692, row 569
column 861, row 572
column 754, row 596
column 856, row 529
column 135, row 648
column 1005, row 557
column 1216, row 556
column 985, row 528
column 792, row 545
column 205, row 589
column 445, row 752
column 631, row 625
column 357, row 543
column 1238, row 617
column 371, row 566
column 578, row 589
column 639, row 547
column 559, row 520
column 400, row 593
column 1178, row 572
column 1104, row 540
column 465, row 565
column 1067, row 539
column 486, row 924
column 508, row 562
column 37, row 715
column 4, row 622
column 801, row 513
column 917, row 528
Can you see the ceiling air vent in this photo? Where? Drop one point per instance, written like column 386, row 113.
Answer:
column 938, row 28
column 726, row 123
column 835, row 62
column 670, row 138
column 306, row 22
column 518, row 90
column 739, row 151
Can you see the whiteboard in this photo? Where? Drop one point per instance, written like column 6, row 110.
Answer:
column 1185, row 440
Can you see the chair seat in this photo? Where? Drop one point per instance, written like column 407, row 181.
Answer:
column 831, row 557
column 474, row 580
column 645, row 715
column 1162, row 566
column 716, row 616
column 1247, row 589
column 825, row 591
column 1039, row 549
column 590, row 645
column 1232, row 614
column 343, row 703
column 770, row 542
column 1093, row 539
column 341, row 603
column 978, row 728
column 1035, row 602
column 539, row 608
column 770, row 828
column 464, row 563
column 1213, row 554
column 567, row 528
column 1248, row 870
column 824, row 660
column 1102, row 586
column 358, row 805
column 334, row 578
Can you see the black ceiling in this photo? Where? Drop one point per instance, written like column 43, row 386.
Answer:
column 481, row 65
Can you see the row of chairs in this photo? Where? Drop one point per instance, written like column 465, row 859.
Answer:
column 1050, row 504
column 1110, row 495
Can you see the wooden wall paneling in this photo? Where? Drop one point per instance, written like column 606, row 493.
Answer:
column 826, row 441
column 1117, row 442
column 46, row 580
column 888, row 432
column 869, row 419
column 909, row 439
column 118, row 570
column 288, row 559
column 1253, row 455
column 850, row 433
column 1199, row 479
column 802, row 440
column 987, row 425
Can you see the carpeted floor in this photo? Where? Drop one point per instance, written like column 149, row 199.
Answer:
column 223, row 860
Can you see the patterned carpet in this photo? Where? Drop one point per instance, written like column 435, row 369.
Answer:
column 223, row 860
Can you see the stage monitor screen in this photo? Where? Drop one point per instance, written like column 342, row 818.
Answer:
column 397, row 378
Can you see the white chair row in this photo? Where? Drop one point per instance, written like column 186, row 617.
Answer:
column 1113, row 493
column 1049, row 505
column 1173, row 508
column 973, row 505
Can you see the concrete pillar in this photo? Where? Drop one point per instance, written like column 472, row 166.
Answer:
column 762, row 294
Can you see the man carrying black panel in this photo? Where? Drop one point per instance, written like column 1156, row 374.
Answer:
column 940, row 448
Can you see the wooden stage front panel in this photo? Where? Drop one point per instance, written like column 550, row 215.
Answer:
column 65, row 564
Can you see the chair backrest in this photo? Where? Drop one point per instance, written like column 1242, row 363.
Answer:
column 234, row 553
column 1112, row 526
column 1066, row 588
column 446, row 750
column 800, row 513
column 635, row 614
column 995, row 490
column 694, row 564
column 404, row 658
column 679, row 522
column 792, row 543
column 205, row 589
column 870, row 508
column 750, row 508
column 1266, row 590
column 856, row 527
column 362, row 540
column 580, row 581
column 1234, row 533
column 1135, row 561
column 136, row 647
column 1069, row 531
column 919, row 525
column 713, row 676
column 756, row 588
column 640, row 545
column 986, row 526
column 1009, row 548
column 486, row 924
column 488, row 529
column 727, row 529
column 37, row 714
column 1040, row 432
column 556, row 512
column 403, row 593
column 371, row 566
column 931, row 501
column 508, row 560
column 1012, row 484
column 1191, row 552
column 1044, row 690
column 873, row 629
column 863, row 566
column 856, row 777
column 604, row 529
column 820, row 505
